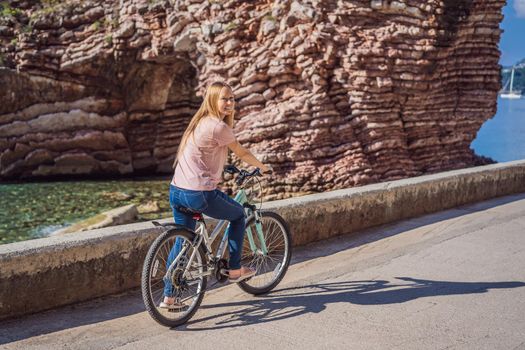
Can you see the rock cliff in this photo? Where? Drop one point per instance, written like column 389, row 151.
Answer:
column 331, row 93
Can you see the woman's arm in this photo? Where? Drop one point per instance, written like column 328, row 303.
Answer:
column 246, row 156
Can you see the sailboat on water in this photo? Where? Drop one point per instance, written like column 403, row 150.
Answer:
column 510, row 93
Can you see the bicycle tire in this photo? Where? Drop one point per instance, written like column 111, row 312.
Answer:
column 249, row 285
column 147, row 296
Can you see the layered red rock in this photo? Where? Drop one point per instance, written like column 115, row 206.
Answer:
column 332, row 94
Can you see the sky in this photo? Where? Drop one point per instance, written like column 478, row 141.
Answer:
column 512, row 44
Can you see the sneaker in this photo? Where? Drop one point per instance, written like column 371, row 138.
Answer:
column 246, row 272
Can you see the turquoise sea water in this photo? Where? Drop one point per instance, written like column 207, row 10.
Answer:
column 502, row 138
column 34, row 210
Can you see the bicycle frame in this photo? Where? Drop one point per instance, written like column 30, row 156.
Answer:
column 202, row 235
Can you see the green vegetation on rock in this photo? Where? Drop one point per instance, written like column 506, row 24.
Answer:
column 96, row 25
column 231, row 26
column 52, row 7
column 270, row 18
column 6, row 11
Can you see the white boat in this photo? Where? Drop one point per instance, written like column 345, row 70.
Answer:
column 510, row 94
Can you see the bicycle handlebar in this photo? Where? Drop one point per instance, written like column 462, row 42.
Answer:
column 243, row 174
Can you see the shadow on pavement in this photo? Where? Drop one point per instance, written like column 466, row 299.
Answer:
column 76, row 315
column 291, row 302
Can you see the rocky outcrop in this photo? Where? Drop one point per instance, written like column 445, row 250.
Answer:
column 118, row 216
column 331, row 93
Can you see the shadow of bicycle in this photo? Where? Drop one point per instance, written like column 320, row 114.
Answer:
column 292, row 302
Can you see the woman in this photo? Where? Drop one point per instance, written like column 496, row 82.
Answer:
column 198, row 168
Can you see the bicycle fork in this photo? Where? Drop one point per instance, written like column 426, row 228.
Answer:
column 263, row 250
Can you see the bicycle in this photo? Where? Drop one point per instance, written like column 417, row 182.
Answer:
column 268, row 251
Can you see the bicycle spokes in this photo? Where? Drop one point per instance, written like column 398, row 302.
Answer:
column 267, row 252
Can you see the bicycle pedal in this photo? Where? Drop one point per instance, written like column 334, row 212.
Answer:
column 179, row 309
column 224, row 272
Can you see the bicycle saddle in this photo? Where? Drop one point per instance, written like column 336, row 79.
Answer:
column 196, row 215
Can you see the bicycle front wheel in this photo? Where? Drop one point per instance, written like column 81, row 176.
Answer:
column 271, row 266
column 186, row 282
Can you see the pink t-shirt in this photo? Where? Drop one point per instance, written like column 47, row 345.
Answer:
column 202, row 161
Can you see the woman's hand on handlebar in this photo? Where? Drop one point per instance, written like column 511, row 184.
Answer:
column 267, row 171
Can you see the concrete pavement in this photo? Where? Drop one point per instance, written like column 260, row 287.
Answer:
column 451, row 280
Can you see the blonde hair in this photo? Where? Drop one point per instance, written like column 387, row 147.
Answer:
column 208, row 107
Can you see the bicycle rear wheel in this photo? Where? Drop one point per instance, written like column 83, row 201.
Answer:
column 186, row 283
column 271, row 267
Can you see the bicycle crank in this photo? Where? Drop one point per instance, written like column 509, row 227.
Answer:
column 221, row 270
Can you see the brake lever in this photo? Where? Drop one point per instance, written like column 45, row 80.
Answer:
column 240, row 178
column 230, row 169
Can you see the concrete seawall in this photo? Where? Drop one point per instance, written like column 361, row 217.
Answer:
column 44, row 273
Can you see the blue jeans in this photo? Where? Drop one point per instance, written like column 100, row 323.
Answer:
column 215, row 204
